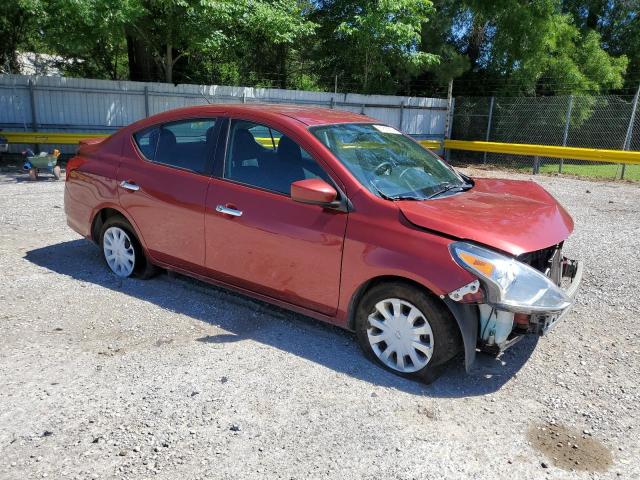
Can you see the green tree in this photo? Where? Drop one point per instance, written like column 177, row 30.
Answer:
column 373, row 44
column 263, row 48
column 165, row 31
column 618, row 24
column 18, row 30
column 89, row 35
column 524, row 47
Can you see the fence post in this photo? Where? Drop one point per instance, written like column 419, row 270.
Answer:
column 449, row 119
column 146, row 101
column 32, row 98
column 34, row 114
column 484, row 157
column 632, row 121
column 536, row 165
column 567, row 124
column 332, row 103
column 401, row 113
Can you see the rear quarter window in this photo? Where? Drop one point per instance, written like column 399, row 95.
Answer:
column 147, row 141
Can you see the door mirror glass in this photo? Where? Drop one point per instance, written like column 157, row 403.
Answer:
column 313, row 191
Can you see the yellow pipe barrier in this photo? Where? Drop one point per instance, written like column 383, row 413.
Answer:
column 572, row 153
column 49, row 137
column 431, row 144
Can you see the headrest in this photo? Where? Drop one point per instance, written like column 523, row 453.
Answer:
column 167, row 138
column 244, row 145
column 289, row 150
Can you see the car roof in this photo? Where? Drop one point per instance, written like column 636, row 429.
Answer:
column 307, row 114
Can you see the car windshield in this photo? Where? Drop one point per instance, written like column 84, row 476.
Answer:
column 389, row 163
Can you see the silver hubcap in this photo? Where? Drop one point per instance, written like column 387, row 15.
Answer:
column 400, row 335
column 119, row 252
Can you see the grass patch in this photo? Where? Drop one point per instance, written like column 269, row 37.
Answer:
column 607, row 171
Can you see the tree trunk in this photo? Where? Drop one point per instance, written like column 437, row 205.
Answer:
column 476, row 39
column 141, row 65
column 282, row 65
column 366, row 71
column 168, row 64
column 594, row 13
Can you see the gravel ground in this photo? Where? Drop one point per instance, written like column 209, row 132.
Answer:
column 172, row 378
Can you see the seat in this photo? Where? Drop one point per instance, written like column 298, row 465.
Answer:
column 244, row 148
column 166, row 150
column 287, row 167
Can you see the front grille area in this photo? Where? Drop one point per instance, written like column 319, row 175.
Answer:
column 547, row 261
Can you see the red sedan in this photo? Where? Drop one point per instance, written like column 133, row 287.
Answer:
column 333, row 215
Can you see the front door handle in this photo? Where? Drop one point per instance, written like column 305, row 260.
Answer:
column 129, row 186
column 228, row 211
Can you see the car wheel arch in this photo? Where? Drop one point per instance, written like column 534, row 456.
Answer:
column 467, row 329
column 372, row 282
column 103, row 214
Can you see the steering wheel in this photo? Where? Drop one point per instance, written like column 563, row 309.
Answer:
column 383, row 167
column 404, row 172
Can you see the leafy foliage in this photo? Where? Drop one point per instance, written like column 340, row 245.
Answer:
column 541, row 47
column 524, row 48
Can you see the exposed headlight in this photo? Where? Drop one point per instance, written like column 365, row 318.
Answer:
column 510, row 284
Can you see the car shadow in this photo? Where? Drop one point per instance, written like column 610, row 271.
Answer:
column 243, row 318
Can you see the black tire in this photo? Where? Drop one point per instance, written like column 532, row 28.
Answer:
column 143, row 268
column 446, row 335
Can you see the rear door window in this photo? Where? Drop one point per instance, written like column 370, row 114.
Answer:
column 186, row 144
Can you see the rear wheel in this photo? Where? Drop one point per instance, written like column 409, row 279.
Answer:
column 407, row 331
column 122, row 251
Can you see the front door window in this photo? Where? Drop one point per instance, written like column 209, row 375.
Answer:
column 262, row 157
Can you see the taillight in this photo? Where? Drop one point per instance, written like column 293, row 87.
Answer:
column 72, row 165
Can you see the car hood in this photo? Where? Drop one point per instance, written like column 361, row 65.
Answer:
column 510, row 215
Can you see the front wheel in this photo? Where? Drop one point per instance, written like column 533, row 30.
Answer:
column 406, row 330
column 122, row 250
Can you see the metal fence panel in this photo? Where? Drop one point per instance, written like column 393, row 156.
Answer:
column 576, row 121
column 102, row 106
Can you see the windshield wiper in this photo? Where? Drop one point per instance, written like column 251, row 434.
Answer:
column 396, row 197
column 447, row 187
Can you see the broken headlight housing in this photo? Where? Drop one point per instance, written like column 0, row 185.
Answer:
column 509, row 284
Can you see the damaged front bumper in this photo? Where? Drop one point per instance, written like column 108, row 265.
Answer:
column 500, row 328
column 572, row 278
column 494, row 328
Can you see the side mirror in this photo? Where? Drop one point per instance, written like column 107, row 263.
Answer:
column 314, row 192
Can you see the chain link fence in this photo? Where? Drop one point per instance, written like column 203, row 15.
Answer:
column 605, row 121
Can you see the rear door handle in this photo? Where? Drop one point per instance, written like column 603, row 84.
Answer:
column 228, row 211
column 129, row 186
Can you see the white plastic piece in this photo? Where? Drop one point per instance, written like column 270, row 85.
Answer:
column 472, row 287
column 386, row 129
column 495, row 325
